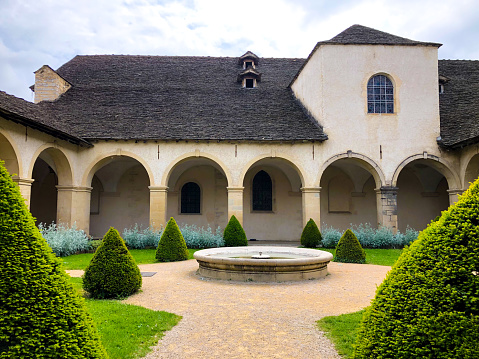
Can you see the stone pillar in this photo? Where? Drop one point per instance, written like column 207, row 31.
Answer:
column 386, row 200
column 454, row 195
column 311, row 205
column 25, row 186
column 73, row 206
column 235, row 203
column 158, row 201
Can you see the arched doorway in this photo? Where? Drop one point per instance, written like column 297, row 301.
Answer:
column 348, row 194
column 8, row 155
column 51, row 169
column 422, row 194
column 197, row 193
column 120, row 197
column 272, row 201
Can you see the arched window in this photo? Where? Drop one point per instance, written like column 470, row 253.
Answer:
column 262, row 192
column 380, row 95
column 190, row 198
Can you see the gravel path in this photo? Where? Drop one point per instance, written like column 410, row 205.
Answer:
column 224, row 319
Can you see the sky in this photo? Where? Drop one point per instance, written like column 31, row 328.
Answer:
column 34, row 33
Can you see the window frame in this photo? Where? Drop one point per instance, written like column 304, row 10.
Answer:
column 196, row 205
column 381, row 95
column 271, row 207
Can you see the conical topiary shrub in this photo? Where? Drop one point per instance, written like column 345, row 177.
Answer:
column 112, row 272
column 41, row 315
column 172, row 245
column 349, row 249
column 234, row 235
column 311, row 236
column 428, row 306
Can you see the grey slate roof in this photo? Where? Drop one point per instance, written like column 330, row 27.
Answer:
column 34, row 116
column 181, row 98
column 459, row 104
column 363, row 35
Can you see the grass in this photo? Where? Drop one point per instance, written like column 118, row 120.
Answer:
column 382, row 257
column 127, row 331
column 142, row 256
column 342, row 331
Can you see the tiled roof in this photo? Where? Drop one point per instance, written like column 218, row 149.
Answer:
column 195, row 98
column 459, row 104
column 363, row 35
column 38, row 117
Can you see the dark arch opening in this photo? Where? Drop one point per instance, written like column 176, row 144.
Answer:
column 262, row 192
column 190, row 198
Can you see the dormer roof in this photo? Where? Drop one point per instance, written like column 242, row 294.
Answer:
column 250, row 73
column 248, row 55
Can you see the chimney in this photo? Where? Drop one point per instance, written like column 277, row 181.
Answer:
column 49, row 85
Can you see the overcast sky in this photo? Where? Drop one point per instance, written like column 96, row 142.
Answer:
column 38, row 32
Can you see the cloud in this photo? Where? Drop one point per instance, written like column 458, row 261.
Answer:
column 34, row 33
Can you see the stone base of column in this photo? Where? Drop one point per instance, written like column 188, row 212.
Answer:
column 235, row 203
column 387, row 207
column 158, row 206
column 25, row 186
column 311, row 199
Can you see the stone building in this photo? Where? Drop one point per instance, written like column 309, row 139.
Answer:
column 370, row 127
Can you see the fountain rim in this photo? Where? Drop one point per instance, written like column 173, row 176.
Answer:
column 308, row 256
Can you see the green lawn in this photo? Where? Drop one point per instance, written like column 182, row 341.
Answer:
column 142, row 256
column 382, row 257
column 342, row 331
column 127, row 331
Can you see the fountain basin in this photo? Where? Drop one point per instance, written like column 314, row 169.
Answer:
column 284, row 264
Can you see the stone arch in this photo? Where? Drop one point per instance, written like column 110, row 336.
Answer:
column 282, row 157
column 362, row 161
column 424, row 185
column 10, row 154
column 471, row 170
column 437, row 163
column 211, row 176
column 217, row 163
column 103, row 160
column 349, row 182
column 57, row 159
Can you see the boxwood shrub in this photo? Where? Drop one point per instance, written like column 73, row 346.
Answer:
column 41, row 315
column 172, row 246
column 112, row 272
column 234, row 235
column 311, row 236
column 349, row 249
column 428, row 306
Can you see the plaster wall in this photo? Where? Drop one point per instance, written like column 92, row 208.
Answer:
column 285, row 222
column 333, row 87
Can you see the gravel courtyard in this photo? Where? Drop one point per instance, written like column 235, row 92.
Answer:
column 224, row 319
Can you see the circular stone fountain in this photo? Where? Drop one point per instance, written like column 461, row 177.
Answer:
column 262, row 264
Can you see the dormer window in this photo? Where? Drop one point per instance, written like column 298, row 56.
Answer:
column 441, row 88
column 248, row 64
column 442, row 81
column 249, row 83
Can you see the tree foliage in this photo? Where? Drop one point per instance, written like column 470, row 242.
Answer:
column 428, row 306
column 172, row 245
column 112, row 272
column 234, row 234
column 41, row 315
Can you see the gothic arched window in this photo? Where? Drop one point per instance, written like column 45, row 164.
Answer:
column 190, row 198
column 380, row 95
column 262, row 192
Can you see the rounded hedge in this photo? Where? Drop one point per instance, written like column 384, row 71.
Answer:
column 172, row 245
column 112, row 272
column 41, row 314
column 349, row 249
column 428, row 306
column 311, row 236
column 234, row 235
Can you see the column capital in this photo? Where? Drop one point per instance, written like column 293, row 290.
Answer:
column 235, row 189
column 73, row 188
column 310, row 189
column 455, row 191
column 158, row 188
column 386, row 189
column 23, row 181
